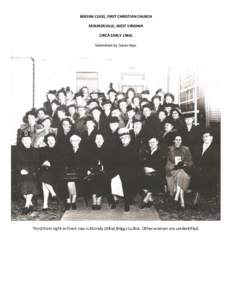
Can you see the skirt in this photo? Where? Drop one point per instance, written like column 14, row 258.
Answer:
column 178, row 177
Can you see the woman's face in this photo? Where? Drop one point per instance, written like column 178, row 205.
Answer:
column 47, row 123
column 41, row 114
column 130, row 94
column 69, row 95
column 153, row 143
column 162, row 116
column 112, row 96
column 99, row 140
column 115, row 113
column 168, row 99
column 156, row 101
column 123, row 106
column 90, row 125
column 177, row 141
column 114, row 126
column 54, row 107
column 107, row 107
column 26, row 141
column 75, row 141
column 61, row 97
column 136, row 101
column 51, row 141
column 66, row 125
column 131, row 114
column 72, row 110
column 51, row 97
column 96, row 114
column 146, row 112
column 61, row 114
column 168, row 127
column 31, row 120
column 137, row 126
column 175, row 115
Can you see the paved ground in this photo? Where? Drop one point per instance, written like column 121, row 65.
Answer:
column 86, row 213
column 164, row 209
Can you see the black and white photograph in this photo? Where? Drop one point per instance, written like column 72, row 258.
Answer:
column 104, row 141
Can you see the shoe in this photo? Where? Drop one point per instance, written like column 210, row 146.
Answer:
column 67, row 206
column 94, row 206
column 30, row 209
column 149, row 204
column 143, row 205
column 74, row 206
column 113, row 205
column 25, row 211
column 99, row 207
column 126, row 208
column 44, row 209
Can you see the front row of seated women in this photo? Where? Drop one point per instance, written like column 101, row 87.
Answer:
column 87, row 168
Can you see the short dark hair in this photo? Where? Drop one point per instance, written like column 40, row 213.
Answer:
column 47, row 136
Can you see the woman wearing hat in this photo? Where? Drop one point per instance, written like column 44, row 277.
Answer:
column 101, row 121
column 169, row 133
column 192, row 134
column 178, row 169
column 63, row 134
column 178, row 121
column 27, row 162
column 169, row 100
column 153, row 162
column 160, row 123
column 130, row 93
column 29, row 127
column 76, row 162
column 99, row 171
column 51, row 96
column 128, row 167
column 43, row 131
column 50, row 169
column 149, row 120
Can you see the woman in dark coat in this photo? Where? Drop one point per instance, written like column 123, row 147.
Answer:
column 76, row 162
column 129, row 168
column 99, row 171
column 63, row 135
column 153, row 162
column 178, row 121
column 26, row 162
column 168, row 134
column 50, row 169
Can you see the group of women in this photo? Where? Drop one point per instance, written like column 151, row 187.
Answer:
column 110, row 146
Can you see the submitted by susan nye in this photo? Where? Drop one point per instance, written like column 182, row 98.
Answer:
column 113, row 45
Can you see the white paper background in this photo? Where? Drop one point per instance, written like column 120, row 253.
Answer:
column 119, row 265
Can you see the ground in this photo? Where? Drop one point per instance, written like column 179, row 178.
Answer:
column 163, row 209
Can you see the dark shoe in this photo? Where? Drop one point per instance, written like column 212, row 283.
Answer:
column 30, row 209
column 126, row 208
column 25, row 211
column 149, row 204
column 98, row 207
column 67, row 206
column 143, row 205
column 74, row 206
column 94, row 206
column 44, row 209
column 113, row 205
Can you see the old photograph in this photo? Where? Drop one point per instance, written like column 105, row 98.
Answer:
column 101, row 139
